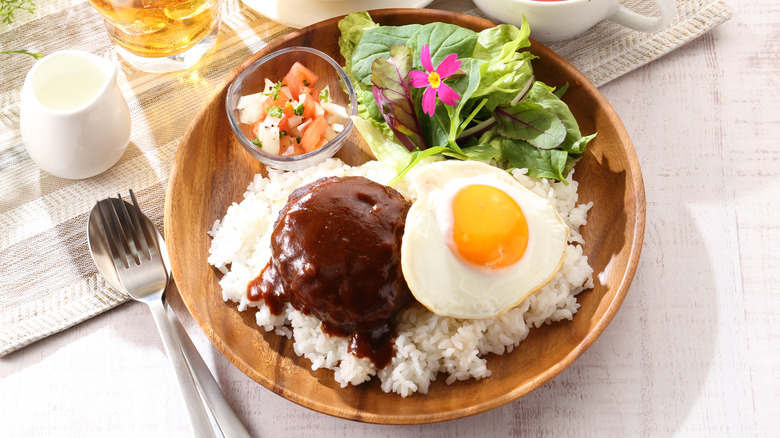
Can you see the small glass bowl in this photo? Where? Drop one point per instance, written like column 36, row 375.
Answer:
column 274, row 67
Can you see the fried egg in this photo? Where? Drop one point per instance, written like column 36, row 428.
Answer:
column 476, row 241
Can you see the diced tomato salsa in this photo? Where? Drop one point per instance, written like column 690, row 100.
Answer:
column 292, row 116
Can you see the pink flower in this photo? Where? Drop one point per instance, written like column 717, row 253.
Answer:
column 434, row 80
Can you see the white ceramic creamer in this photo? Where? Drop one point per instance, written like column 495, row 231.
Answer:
column 564, row 19
column 75, row 121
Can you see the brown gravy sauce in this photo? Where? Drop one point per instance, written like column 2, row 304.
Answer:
column 336, row 250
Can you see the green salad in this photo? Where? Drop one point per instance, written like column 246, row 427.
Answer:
column 443, row 89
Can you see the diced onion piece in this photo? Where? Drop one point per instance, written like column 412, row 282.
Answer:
column 251, row 113
column 269, row 86
column 338, row 127
column 270, row 139
column 318, row 111
column 268, row 122
column 330, row 134
column 245, row 101
column 302, row 127
column 294, row 121
column 332, row 118
column 334, row 109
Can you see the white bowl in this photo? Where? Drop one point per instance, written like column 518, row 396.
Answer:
column 565, row 19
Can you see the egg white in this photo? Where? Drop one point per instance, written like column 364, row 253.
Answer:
column 450, row 286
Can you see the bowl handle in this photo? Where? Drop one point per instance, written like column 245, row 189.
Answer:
column 643, row 23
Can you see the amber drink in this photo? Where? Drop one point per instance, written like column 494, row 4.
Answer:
column 161, row 35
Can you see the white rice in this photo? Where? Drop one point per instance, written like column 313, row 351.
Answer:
column 427, row 344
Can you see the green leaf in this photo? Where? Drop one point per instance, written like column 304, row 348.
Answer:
column 541, row 163
column 506, row 71
column 443, row 39
column 382, row 146
column 436, row 129
column 578, row 147
column 543, row 95
column 375, row 43
column 501, row 81
column 532, row 123
column 465, row 86
column 352, row 28
column 482, row 152
column 562, row 90
column 501, row 41
column 415, row 159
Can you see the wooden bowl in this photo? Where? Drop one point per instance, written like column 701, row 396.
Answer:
column 211, row 170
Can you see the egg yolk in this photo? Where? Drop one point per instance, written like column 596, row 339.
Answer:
column 489, row 228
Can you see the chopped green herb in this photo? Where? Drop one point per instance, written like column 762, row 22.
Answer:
column 324, row 95
column 275, row 90
column 275, row 112
column 306, row 83
column 282, row 134
column 257, row 142
column 298, row 110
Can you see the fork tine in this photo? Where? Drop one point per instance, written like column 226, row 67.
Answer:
column 124, row 241
column 133, row 232
column 111, row 235
column 149, row 240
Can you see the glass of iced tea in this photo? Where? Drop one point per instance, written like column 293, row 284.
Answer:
column 161, row 36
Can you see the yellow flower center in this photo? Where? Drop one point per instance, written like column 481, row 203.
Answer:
column 434, row 79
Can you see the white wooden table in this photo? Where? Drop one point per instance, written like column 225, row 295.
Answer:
column 694, row 350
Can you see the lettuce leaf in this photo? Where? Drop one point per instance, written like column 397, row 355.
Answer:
column 376, row 43
column 443, row 39
column 506, row 71
column 384, row 148
column 501, row 41
column 352, row 28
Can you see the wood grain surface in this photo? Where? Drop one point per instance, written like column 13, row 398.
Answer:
column 211, row 170
column 693, row 352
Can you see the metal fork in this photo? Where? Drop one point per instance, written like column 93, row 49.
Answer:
column 141, row 271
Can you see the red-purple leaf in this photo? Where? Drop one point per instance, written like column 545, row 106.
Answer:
column 392, row 92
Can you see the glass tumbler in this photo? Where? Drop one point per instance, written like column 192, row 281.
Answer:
column 160, row 36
